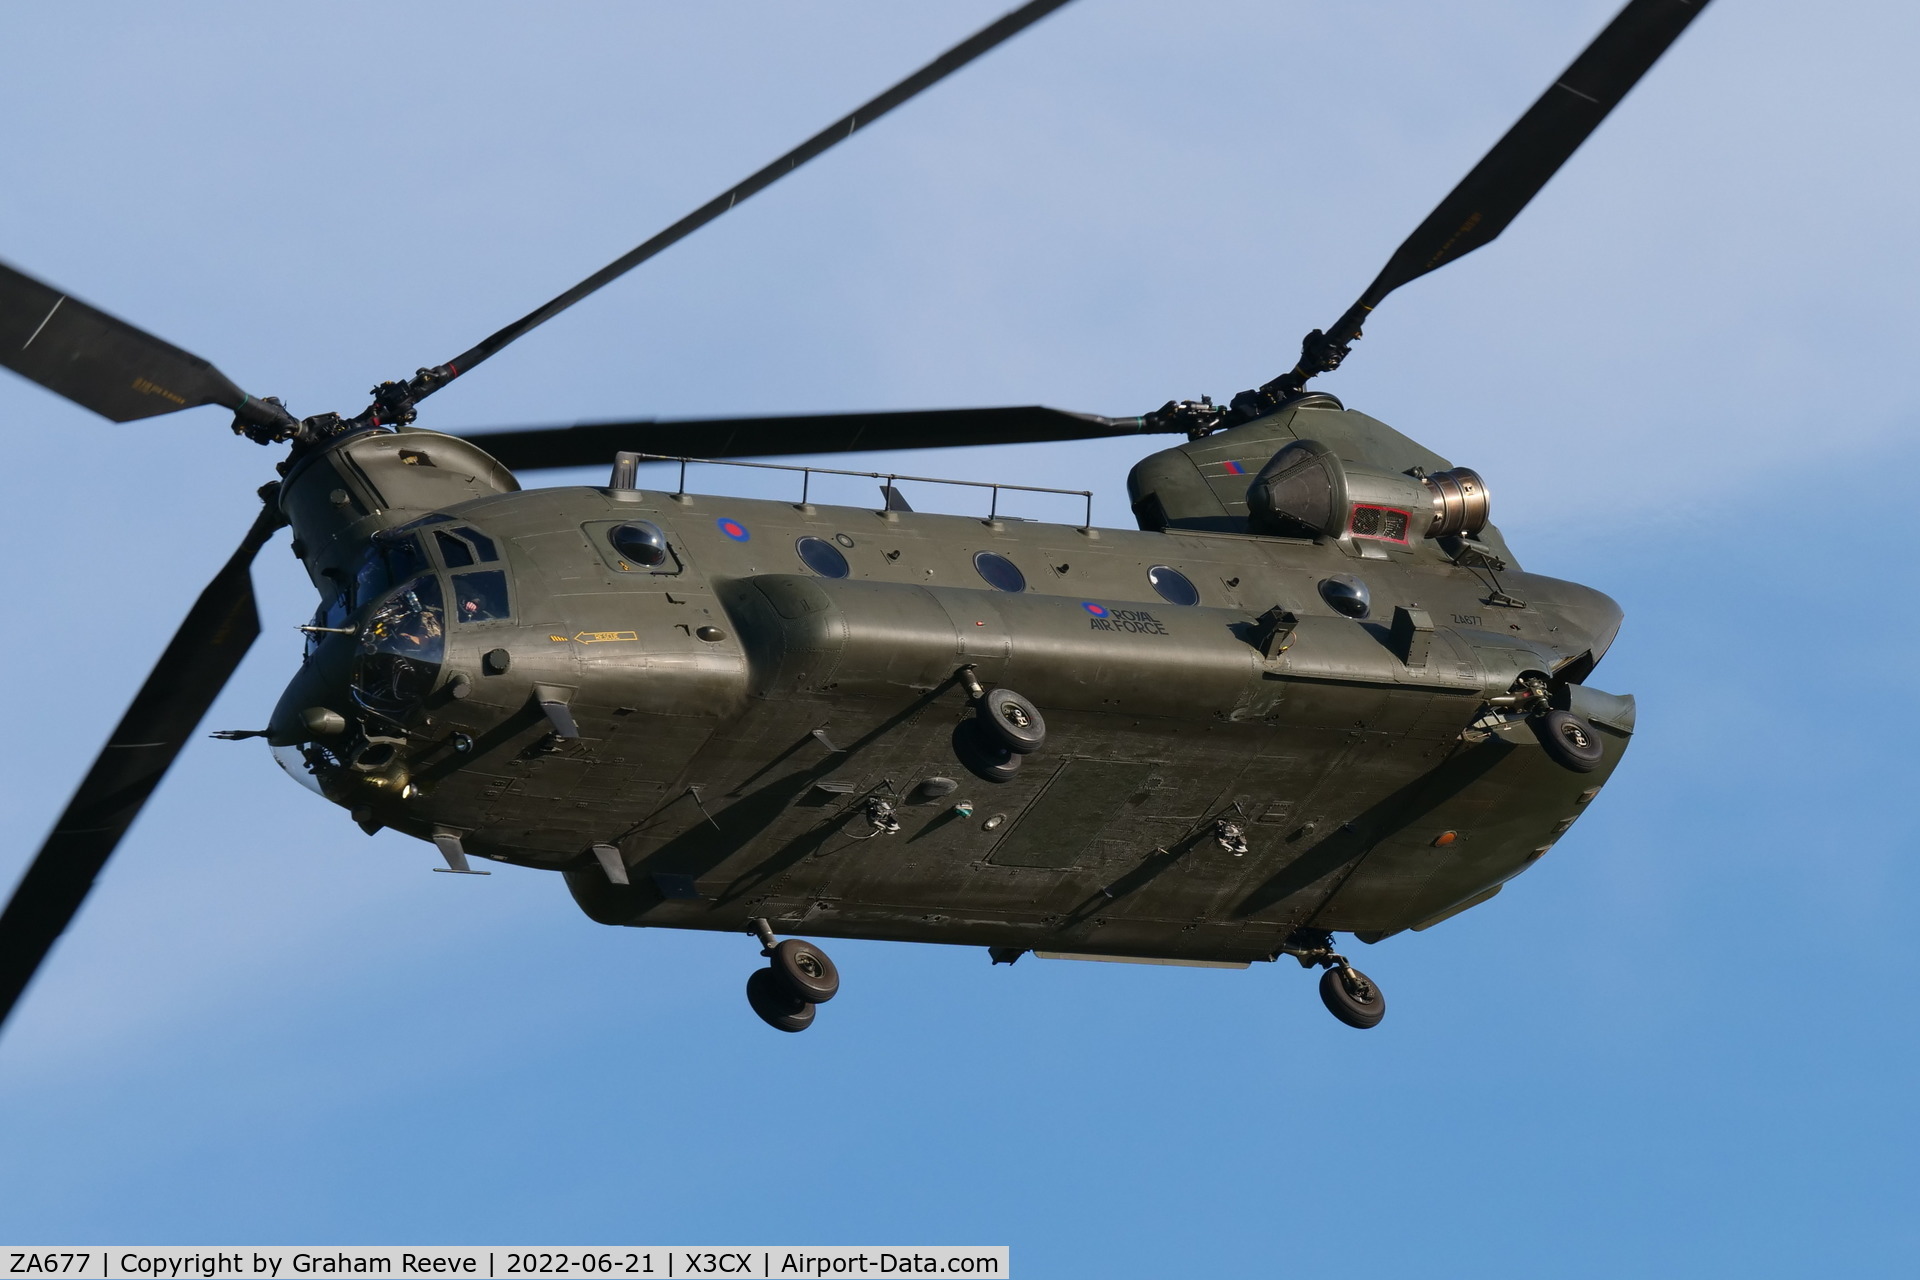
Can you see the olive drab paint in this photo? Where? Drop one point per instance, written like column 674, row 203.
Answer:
column 738, row 712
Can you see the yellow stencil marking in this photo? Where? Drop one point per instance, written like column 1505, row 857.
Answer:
column 602, row 637
column 147, row 388
column 557, row 639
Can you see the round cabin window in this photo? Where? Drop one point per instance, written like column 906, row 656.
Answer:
column 641, row 543
column 1001, row 573
column 1173, row 586
column 822, row 557
column 1347, row 594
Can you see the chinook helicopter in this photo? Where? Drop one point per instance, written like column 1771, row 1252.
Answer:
column 1312, row 693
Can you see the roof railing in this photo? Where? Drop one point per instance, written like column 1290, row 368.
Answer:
column 625, row 476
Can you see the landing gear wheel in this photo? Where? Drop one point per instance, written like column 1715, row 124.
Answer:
column 1571, row 741
column 776, row 1004
column 805, row 970
column 1013, row 721
column 984, row 756
column 1352, row 997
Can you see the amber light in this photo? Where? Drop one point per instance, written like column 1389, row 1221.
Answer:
column 1444, row 839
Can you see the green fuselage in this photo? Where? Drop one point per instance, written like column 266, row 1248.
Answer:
column 734, row 712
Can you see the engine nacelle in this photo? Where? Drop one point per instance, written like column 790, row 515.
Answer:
column 1307, row 488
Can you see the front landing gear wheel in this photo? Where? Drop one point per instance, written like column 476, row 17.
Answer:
column 805, row 970
column 1352, row 997
column 777, row 1006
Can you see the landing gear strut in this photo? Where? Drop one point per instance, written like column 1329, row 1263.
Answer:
column 1349, row 994
column 798, row 977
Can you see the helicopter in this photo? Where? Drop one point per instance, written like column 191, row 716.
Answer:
column 1312, row 693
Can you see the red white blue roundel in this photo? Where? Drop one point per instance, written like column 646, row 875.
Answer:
column 733, row 529
column 1097, row 610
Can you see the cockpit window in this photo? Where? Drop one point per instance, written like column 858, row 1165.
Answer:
column 452, row 549
column 401, row 647
column 464, row 546
column 455, row 553
column 408, row 622
column 404, row 558
column 481, row 543
column 370, row 576
column 480, row 597
column 386, row 560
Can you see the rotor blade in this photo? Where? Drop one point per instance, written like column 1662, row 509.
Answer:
column 98, row 362
column 1499, row 187
column 939, row 69
column 217, row 632
column 593, row 444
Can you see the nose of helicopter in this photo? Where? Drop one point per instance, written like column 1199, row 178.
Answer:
column 308, row 711
column 326, row 731
column 313, row 704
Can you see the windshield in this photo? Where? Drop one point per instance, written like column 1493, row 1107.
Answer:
column 386, row 560
column 401, row 647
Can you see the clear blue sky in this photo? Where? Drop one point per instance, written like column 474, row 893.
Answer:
column 1680, row 1045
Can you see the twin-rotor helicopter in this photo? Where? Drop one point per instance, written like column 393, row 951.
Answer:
column 1312, row 693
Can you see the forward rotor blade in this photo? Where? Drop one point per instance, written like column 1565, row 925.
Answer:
column 217, row 632
column 593, row 444
column 939, row 69
column 1499, row 187
column 98, row 362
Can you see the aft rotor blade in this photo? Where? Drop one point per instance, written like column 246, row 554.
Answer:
column 593, row 444
column 97, row 361
column 1499, row 187
column 939, row 69
column 217, row 632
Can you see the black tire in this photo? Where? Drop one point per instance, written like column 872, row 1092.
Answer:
column 984, row 755
column 806, row 970
column 1572, row 742
column 1013, row 721
column 777, row 1006
column 1353, row 998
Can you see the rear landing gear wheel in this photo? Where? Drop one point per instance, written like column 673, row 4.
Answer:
column 805, row 970
column 776, row 1004
column 1352, row 997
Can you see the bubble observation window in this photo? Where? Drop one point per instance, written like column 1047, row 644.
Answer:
column 1346, row 594
column 640, row 542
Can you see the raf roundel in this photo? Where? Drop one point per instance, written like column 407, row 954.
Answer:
column 1097, row 610
column 733, row 529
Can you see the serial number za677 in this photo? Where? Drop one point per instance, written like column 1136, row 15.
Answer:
column 584, row 1264
column 47, row 1264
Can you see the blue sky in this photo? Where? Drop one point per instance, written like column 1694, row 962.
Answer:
column 1677, row 1045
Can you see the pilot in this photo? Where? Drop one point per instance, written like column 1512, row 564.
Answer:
column 417, row 626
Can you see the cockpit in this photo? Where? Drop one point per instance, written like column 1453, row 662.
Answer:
column 402, row 644
column 377, row 649
column 388, row 559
